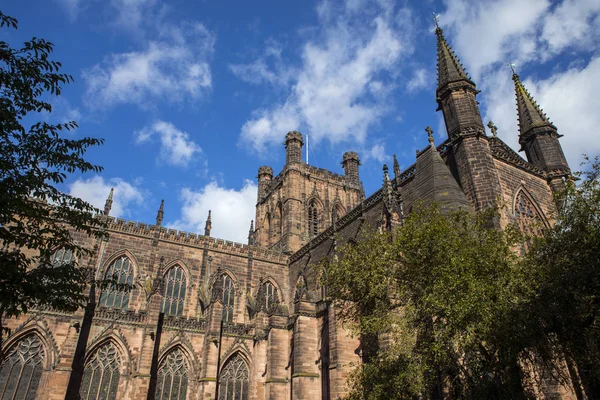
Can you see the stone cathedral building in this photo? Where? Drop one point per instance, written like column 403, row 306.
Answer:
column 280, row 338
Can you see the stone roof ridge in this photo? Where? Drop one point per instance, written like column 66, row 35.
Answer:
column 448, row 65
column 339, row 224
column 504, row 152
column 530, row 113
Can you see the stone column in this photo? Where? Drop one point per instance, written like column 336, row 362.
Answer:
column 278, row 343
column 305, row 373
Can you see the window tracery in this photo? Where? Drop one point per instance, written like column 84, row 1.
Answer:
column 269, row 292
column 172, row 380
column 313, row 218
column 228, row 298
column 529, row 220
column 121, row 273
column 101, row 374
column 175, row 287
column 233, row 382
column 62, row 257
column 21, row 370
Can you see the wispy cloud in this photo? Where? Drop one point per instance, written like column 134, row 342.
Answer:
column 339, row 90
column 176, row 146
column 174, row 68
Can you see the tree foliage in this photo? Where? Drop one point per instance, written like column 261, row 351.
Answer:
column 447, row 306
column 36, row 218
column 565, row 267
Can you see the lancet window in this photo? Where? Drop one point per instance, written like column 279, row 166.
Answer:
column 313, row 218
column 118, row 275
column 62, row 257
column 233, row 382
column 228, row 298
column 175, row 286
column 21, row 370
column 172, row 383
column 101, row 375
column 270, row 294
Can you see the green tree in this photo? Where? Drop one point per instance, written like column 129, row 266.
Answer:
column 436, row 301
column 565, row 270
column 36, row 218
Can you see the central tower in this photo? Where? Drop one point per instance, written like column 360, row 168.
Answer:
column 302, row 200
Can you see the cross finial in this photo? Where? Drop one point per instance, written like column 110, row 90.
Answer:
column 512, row 68
column 436, row 20
column 493, row 128
column 429, row 134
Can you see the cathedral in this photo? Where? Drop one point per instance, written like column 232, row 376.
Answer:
column 209, row 318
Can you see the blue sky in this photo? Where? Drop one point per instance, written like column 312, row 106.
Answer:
column 193, row 96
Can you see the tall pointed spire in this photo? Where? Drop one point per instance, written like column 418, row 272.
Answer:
column 161, row 213
column 449, row 67
column 208, row 225
column 530, row 114
column 538, row 137
column 396, row 167
column 251, row 233
column 109, row 201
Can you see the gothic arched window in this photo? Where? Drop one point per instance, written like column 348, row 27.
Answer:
column 175, row 285
column 233, row 382
column 313, row 218
column 228, row 298
column 270, row 294
column 172, row 380
column 101, row 375
column 21, row 370
column 528, row 218
column 62, row 257
column 121, row 273
column 338, row 212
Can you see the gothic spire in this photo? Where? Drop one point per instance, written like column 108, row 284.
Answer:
column 449, row 67
column 251, row 233
column 396, row 167
column 530, row 114
column 161, row 213
column 208, row 225
column 388, row 191
column 109, row 201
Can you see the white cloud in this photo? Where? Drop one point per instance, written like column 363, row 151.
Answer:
column 376, row 152
column 267, row 68
column 339, row 90
column 172, row 69
column 177, row 148
column 491, row 33
column 420, row 80
column 232, row 210
column 95, row 191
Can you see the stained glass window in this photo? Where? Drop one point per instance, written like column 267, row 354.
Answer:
column 172, row 377
column 121, row 273
column 61, row 257
column 21, row 370
column 528, row 218
column 313, row 218
column 270, row 293
column 175, row 286
column 233, row 381
column 101, row 374
column 228, row 298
